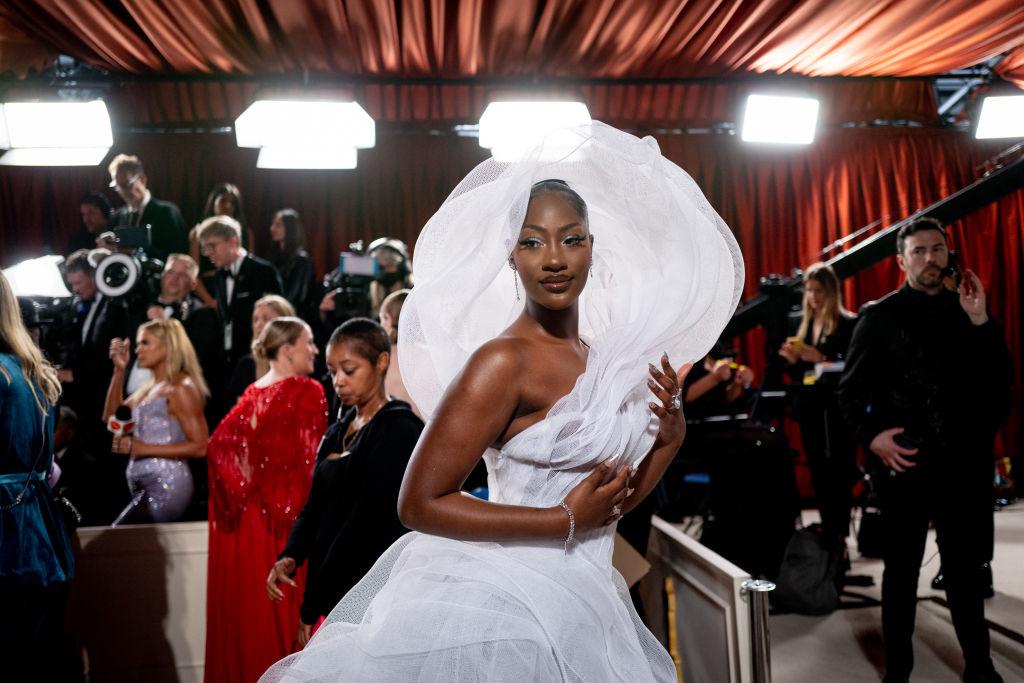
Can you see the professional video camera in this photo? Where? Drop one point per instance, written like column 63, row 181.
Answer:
column 46, row 305
column 350, row 282
column 128, row 273
column 385, row 261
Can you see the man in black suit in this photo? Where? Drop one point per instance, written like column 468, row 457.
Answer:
column 241, row 280
column 98, row 319
column 168, row 234
column 201, row 323
column 918, row 399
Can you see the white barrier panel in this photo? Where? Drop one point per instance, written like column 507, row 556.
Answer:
column 699, row 593
column 137, row 609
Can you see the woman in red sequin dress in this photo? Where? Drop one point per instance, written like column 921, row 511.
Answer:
column 260, row 461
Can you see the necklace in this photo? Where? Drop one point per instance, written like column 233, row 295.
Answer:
column 349, row 439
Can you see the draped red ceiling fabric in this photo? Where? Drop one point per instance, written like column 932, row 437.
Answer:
column 515, row 38
column 1012, row 68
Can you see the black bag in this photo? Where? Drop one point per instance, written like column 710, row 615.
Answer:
column 807, row 580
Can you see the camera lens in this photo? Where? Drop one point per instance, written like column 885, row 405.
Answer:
column 115, row 276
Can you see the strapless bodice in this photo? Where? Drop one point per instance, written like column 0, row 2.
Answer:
column 154, row 423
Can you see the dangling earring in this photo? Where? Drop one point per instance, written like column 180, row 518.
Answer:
column 515, row 277
column 591, row 266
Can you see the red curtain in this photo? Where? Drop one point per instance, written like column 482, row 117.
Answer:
column 1012, row 67
column 513, row 38
column 783, row 205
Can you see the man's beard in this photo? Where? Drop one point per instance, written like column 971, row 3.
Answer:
column 930, row 278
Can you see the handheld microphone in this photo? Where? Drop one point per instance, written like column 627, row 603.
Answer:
column 121, row 422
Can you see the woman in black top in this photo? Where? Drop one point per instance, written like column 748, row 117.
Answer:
column 289, row 256
column 351, row 515
column 824, row 335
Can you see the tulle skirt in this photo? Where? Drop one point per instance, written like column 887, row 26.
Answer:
column 435, row 609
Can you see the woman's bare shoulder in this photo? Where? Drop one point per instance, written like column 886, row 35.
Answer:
column 184, row 392
column 501, row 357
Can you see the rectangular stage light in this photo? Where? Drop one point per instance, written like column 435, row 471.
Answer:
column 55, row 133
column 1001, row 117
column 510, row 129
column 311, row 157
column 282, row 123
column 780, row 120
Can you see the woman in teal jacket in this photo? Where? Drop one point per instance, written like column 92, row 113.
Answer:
column 35, row 555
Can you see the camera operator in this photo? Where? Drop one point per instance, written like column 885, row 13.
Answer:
column 98, row 319
column 929, row 415
column 96, row 213
column 393, row 273
column 241, row 279
column 167, row 228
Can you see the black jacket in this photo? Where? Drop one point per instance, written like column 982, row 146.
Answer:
column 91, row 363
column 168, row 234
column 351, row 515
column 916, row 361
column 202, row 325
column 834, row 347
column 299, row 280
column 256, row 278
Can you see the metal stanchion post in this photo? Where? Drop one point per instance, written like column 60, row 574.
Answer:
column 760, row 645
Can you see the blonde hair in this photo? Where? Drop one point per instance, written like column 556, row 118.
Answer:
column 284, row 309
column 15, row 340
column 392, row 307
column 180, row 360
column 224, row 227
column 277, row 333
column 278, row 303
column 190, row 263
column 833, row 309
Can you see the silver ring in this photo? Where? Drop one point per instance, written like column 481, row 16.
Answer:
column 616, row 511
column 677, row 399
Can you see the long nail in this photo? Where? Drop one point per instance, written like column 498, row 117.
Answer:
column 629, row 492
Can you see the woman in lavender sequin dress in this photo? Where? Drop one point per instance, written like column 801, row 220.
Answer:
column 169, row 422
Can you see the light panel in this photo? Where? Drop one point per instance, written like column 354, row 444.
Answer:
column 55, row 133
column 312, row 157
column 1001, row 117
column 54, row 156
column 280, row 123
column 57, row 124
column 510, row 129
column 780, row 120
column 38, row 277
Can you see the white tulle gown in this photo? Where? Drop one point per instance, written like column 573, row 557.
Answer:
column 667, row 275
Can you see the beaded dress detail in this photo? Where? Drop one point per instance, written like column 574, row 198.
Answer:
column 260, row 461
column 161, row 487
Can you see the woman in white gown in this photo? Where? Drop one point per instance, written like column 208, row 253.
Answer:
column 538, row 337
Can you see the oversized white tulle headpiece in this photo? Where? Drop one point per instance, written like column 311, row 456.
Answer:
column 667, row 272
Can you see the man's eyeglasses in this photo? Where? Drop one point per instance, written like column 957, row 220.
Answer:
column 207, row 248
